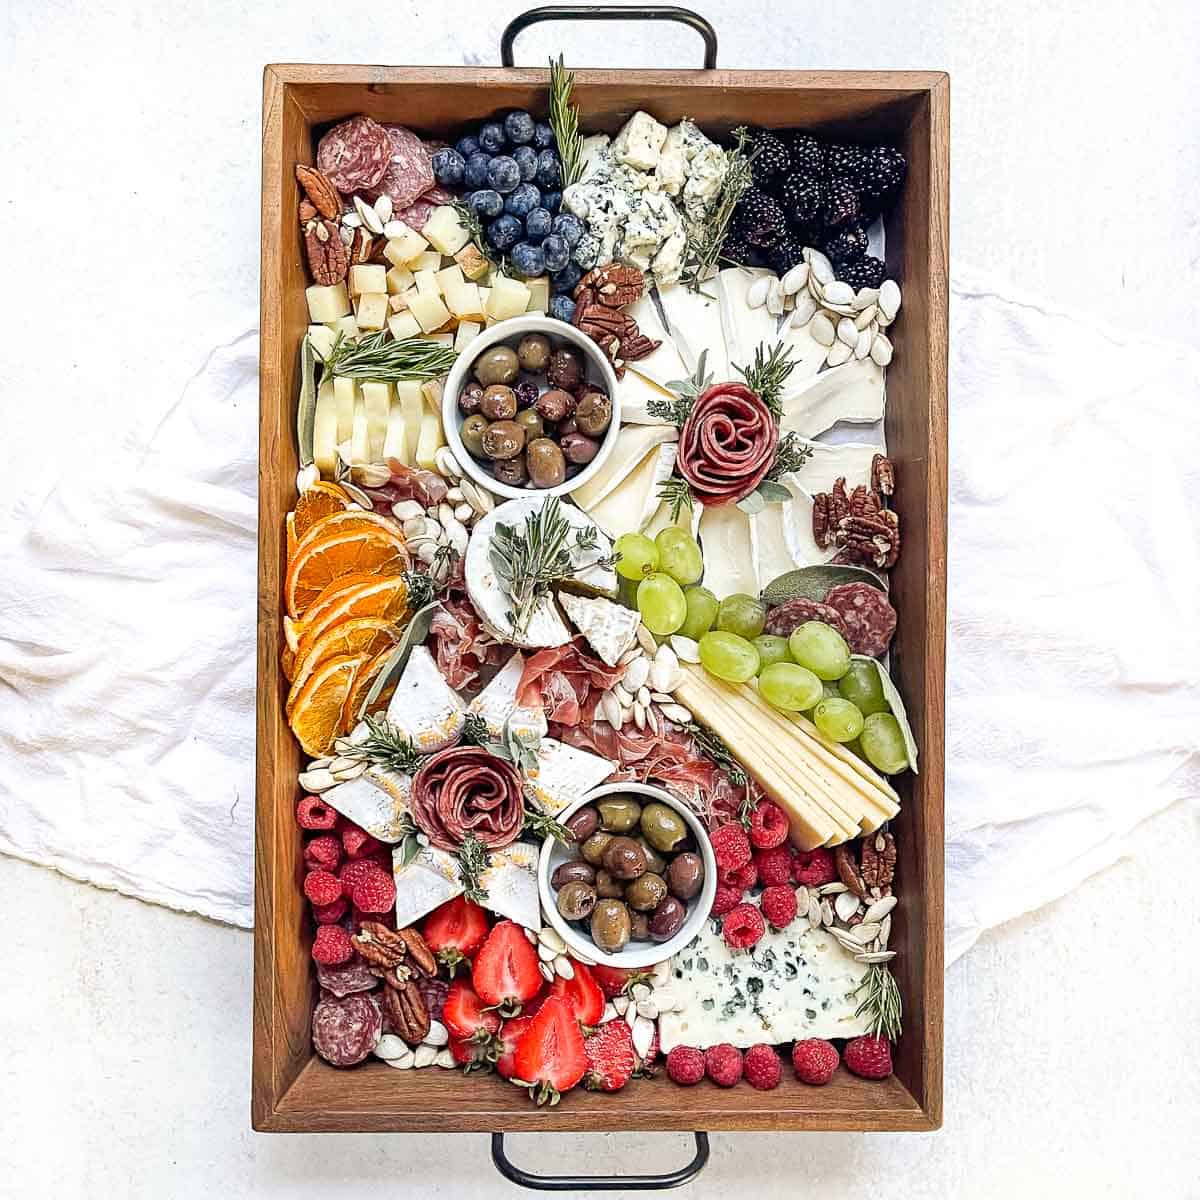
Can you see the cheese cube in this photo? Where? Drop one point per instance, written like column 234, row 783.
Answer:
column 400, row 303
column 403, row 325
column 427, row 282
column 429, row 311
column 377, row 400
column 372, row 310
column 346, row 393
column 474, row 264
column 508, row 298
column 450, row 278
column 539, row 294
column 321, row 338
column 346, row 326
column 395, row 440
column 484, row 292
column 445, row 230
column 431, row 260
column 411, row 402
column 465, row 334
column 442, row 339
column 327, row 303
column 403, row 249
column 368, row 277
column 325, row 428
column 398, row 279
column 465, row 301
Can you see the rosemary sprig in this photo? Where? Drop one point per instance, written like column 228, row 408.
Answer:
column 713, row 747
column 676, row 492
column 474, row 731
column 469, row 219
column 472, row 862
column 540, row 824
column 374, row 357
column 419, row 590
column 387, row 747
column 685, row 394
column 767, row 374
column 790, row 455
column 705, row 238
column 881, row 1004
column 564, row 120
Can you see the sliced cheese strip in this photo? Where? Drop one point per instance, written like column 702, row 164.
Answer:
column 665, row 365
column 807, row 354
column 695, row 326
column 325, row 429
column 745, row 328
column 429, row 880
column 628, row 507
column 728, row 559
column 852, row 392
column 632, row 445
column 378, row 801
column 849, row 764
column 563, row 774
column 829, row 462
column 497, row 704
column 424, row 708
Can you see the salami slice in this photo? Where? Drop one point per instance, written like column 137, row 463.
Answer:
column 408, row 173
column 347, row 978
column 867, row 614
column 345, row 1030
column 784, row 619
column 355, row 154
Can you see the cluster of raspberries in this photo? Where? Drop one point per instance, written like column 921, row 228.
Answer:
column 813, row 1060
column 348, row 874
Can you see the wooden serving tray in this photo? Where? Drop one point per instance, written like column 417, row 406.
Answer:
column 293, row 1090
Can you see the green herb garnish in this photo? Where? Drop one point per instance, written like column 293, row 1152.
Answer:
column 790, row 455
column 767, row 374
column 385, row 746
column 472, row 862
column 374, row 357
column 469, row 219
column 713, row 747
column 564, row 120
column 685, row 394
column 540, row 824
column 881, row 1004
column 677, row 493
column 705, row 238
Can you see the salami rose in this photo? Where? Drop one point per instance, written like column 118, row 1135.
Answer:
column 727, row 444
column 467, row 790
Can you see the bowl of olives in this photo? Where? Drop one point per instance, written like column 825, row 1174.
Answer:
column 531, row 406
column 637, row 882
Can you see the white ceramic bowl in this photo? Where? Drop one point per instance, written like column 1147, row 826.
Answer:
column 635, row 954
column 510, row 332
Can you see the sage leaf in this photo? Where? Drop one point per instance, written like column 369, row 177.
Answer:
column 414, row 634
column 306, row 409
column 814, row 583
column 773, row 493
column 892, row 695
column 753, row 503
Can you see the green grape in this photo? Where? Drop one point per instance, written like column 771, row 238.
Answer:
column 883, row 744
column 701, row 612
column 679, row 555
column 638, row 556
column 728, row 656
column 742, row 614
column 788, row 686
column 821, row 649
column 860, row 685
column 828, row 689
column 838, row 719
column 771, row 649
column 661, row 604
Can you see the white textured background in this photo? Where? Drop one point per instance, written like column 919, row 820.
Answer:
column 130, row 159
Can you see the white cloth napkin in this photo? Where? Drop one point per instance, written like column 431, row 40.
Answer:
column 127, row 609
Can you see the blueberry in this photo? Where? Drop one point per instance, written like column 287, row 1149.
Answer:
column 448, row 167
column 549, row 174
column 551, row 201
column 503, row 174
column 520, row 128
column 522, row 200
column 526, row 159
column 537, row 224
column 570, row 227
column 466, row 146
column 476, row 173
column 566, row 279
column 491, row 137
column 543, row 136
column 503, row 232
column 562, row 308
column 527, row 260
column 486, row 202
column 556, row 252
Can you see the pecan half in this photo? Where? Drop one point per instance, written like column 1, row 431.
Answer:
column 883, row 475
column 615, row 285
column 638, row 346
column 419, row 953
column 319, row 189
column 405, row 1010
column 306, row 211
column 847, row 869
column 379, row 945
column 878, row 860
column 839, row 502
column 327, row 258
column 821, row 523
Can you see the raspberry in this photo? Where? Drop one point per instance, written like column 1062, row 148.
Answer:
column 774, row 866
column 685, row 1065
column 814, row 868
column 731, row 847
column 322, row 887
column 375, row 892
column 779, row 905
column 725, row 900
column 332, row 945
column 323, row 853
column 330, row 914
column 354, row 871
column 723, row 1064
column 762, row 1067
column 869, row 1057
column 358, row 842
column 768, row 826
column 313, row 813
column 743, row 927
column 744, row 878
column 815, row 1061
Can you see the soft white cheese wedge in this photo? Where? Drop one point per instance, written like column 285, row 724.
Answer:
column 769, row 545
column 636, row 394
column 745, row 328
column 610, row 629
column 664, row 366
column 728, row 559
column 831, row 461
column 796, row 527
column 497, row 703
column 688, row 519
column 795, row 983
column 633, row 502
column 510, row 880
column 694, row 321
column 377, row 800
column 563, row 774
column 852, row 392
column 807, row 353
column 421, row 885
column 633, row 443
column 424, row 708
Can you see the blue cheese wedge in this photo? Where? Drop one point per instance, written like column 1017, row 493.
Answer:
column 424, row 708
column 377, row 800
column 639, row 142
column 429, row 880
column 563, row 774
column 497, row 704
column 610, row 629
column 795, row 983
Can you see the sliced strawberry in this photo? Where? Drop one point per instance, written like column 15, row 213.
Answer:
column 610, row 1056
column 615, row 980
column 455, row 931
column 550, row 1055
column 510, row 1034
column 505, row 972
column 582, row 993
column 474, row 1055
column 464, row 1016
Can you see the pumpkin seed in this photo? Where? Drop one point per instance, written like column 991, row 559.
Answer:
column 880, row 909
column 846, row 905
column 756, row 294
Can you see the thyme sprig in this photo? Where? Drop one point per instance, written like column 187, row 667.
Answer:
column 468, row 218
column 540, row 824
column 677, row 493
column 790, row 455
column 374, row 357
column 881, row 1003
column 706, row 238
column 419, row 590
column 385, row 746
column 767, row 374
column 472, row 862
column 712, row 746
column 564, row 120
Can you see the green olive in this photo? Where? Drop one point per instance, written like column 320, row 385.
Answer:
column 511, row 471
column 624, row 859
column 575, row 900
column 663, row 827
column 593, row 848
column 610, row 926
column 646, row 892
column 545, row 462
column 533, row 351
column 639, row 927
column 619, row 814
column 498, row 402
column 654, row 861
column 498, row 364
column 594, row 413
column 607, row 886
column 503, row 439
column 530, row 421
column 472, row 431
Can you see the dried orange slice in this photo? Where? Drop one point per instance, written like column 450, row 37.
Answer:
column 321, row 500
column 352, row 519
column 363, row 635
column 317, row 564
column 362, row 685
column 316, row 717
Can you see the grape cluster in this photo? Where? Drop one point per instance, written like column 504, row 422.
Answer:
column 510, row 175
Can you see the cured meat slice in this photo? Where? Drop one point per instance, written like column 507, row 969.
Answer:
column 867, row 614
column 727, row 444
column 787, row 617
column 421, row 209
column 467, row 790
column 345, row 1030
column 355, row 154
column 347, row 978
column 407, row 173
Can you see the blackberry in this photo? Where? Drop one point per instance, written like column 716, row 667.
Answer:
column 800, row 198
column 804, row 151
column 883, row 173
column 844, row 161
column 770, row 159
column 841, row 204
column 737, row 250
column 785, row 254
column 867, row 272
column 759, row 219
column 847, row 245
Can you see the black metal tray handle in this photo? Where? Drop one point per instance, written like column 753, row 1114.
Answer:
column 610, row 12
column 600, row 1183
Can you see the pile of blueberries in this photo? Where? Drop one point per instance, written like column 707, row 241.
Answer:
column 511, row 176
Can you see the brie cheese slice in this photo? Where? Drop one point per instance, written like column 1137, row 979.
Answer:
column 695, row 324
column 807, row 353
column 377, row 801
column 772, row 555
column 664, row 366
column 796, row 527
column 497, row 704
column 852, row 392
column 421, row 885
column 564, row 774
column 728, row 561
column 745, row 328
column 632, row 503
column 424, row 708
column 688, row 519
column 510, row 880
column 636, row 393
column 633, row 443
column 610, row 629
column 830, row 462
